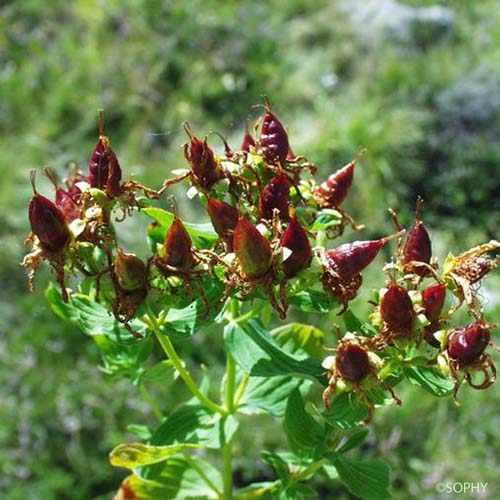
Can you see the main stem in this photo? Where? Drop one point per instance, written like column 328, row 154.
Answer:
column 170, row 351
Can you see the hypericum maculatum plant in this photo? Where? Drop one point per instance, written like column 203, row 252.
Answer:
column 268, row 245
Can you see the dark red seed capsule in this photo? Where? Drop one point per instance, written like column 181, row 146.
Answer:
column 396, row 309
column 275, row 195
column 252, row 250
column 350, row 259
column 177, row 249
column 202, row 159
column 352, row 362
column 64, row 200
column 224, row 217
column 418, row 247
column 47, row 221
column 130, row 271
column 467, row 343
column 273, row 139
column 433, row 298
column 295, row 239
column 248, row 143
column 99, row 164
column 332, row 192
column 113, row 187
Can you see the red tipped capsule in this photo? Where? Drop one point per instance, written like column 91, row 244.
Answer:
column 467, row 343
column 418, row 247
column 47, row 221
column 433, row 298
column 350, row 259
column 248, row 143
column 252, row 250
column 201, row 157
column 295, row 239
column 177, row 250
column 396, row 309
column 275, row 195
column 130, row 271
column 332, row 192
column 352, row 362
column 273, row 138
column 224, row 217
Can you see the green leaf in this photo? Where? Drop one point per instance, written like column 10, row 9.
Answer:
column 195, row 425
column 141, row 431
column 347, row 411
column 314, row 301
column 355, row 325
column 302, row 430
column 300, row 337
column 180, row 478
column 132, row 455
column 369, row 480
column 263, row 490
column 92, row 317
column 354, row 440
column 430, row 379
column 326, row 219
column 268, row 395
column 182, row 323
column 203, row 235
column 277, row 463
column 257, row 353
column 163, row 372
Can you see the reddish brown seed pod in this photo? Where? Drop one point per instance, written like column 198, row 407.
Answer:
column 64, row 200
column 467, row 343
column 113, row 186
column 248, row 143
column 252, row 250
column 224, row 217
column 273, row 138
column 131, row 272
column 204, row 165
column 276, row 194
column 99, row 164
column 433, row 298
column 396, row 309
column 47, row 221
column 332, row 192
column 295, row 239
column 177, row 249
column 352, row 362
column 418, row 247
column 350, row 259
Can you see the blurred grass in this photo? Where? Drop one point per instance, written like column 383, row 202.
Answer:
column 426, row 109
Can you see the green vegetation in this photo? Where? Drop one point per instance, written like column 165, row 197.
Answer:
column 426, row 107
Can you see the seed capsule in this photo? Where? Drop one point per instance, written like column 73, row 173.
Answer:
column 418, row 247
column 295, row 239
column 64, row 199
column 273, row 138
column 204, row 165
column 252, row 250
column 352, row 362
column 467, row 343
column 275, row 195
column 177, row 250
column 130, row 271
column 224, row 217
column 332, row 192
column 47, row 221
column 396, row 309
column 248, row 143
column 433, row 298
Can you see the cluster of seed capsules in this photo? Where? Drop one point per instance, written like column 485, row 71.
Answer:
column 264, row 202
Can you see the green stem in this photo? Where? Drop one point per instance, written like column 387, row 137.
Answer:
column 151, row 402
column 227, row 471
column 230, row 383
column 170, row 351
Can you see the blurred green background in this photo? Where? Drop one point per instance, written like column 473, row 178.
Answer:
column 417, row 84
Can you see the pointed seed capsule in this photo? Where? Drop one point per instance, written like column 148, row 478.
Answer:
column 332, row 192
column 224, row 217
column 418, row 247
column 273, row 138
column 47, row 221
column 433, row 298
column 248, row 143
column 177, row 250
column 252, row 250
column 130, row 271
column 275, row 195
column 396, row 309
column 295, row 239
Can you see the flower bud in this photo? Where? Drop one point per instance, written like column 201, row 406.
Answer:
column 332, row 192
